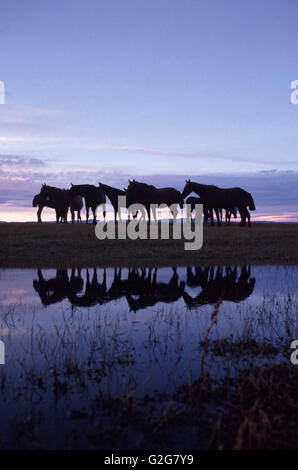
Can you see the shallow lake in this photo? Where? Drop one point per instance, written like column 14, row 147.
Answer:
column 117, row 332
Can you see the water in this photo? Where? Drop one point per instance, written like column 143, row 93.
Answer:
column 77, row 337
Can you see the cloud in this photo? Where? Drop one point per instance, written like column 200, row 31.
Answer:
column 186, row 155
column 19, row 162
column 21, row 177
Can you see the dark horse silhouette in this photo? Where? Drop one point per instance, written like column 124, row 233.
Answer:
column 192, row 201
column 146, row 194
column 113, row 194
column 221, row 282
column 93, row 196
column 41, row 201
column 218, row 197
column 58, row 198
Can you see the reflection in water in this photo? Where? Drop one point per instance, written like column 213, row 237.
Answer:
column 226, row 283
column 141, row 288
column 86, row 367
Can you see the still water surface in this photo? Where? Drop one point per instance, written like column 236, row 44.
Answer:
column 120, row 331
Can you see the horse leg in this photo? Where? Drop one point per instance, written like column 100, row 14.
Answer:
column 73, row 216
column 211, row 217
column 217, row 212
column 87, row 214
column 248, row 218
column 94, row 214
column 57, row 216
column 147, row 207
column 242, row 215
column 39, row 214
column 174, row 213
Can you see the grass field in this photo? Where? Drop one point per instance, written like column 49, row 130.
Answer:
column 75, row 245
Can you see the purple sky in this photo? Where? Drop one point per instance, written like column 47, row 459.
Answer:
column 159, row 90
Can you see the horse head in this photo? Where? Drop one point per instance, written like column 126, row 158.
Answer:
column 187, row 189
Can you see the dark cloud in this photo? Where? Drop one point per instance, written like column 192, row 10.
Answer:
column 269, row 188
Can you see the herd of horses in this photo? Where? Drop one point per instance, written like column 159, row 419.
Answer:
column 141, row 288
column 213, row 198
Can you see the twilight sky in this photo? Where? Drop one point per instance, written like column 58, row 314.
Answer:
column 160, row 90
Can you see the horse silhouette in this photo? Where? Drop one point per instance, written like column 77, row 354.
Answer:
column 93, row 196
column 54, row 197
column 145, row 194
column 113, row 195
column 218, row 198
column 41, row 201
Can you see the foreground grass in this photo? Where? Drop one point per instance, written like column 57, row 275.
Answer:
column 50, row 245
column 81, row 385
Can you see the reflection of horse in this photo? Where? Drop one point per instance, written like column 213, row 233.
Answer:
column 56, row 289
column 141, row 288
column 145, row 194
column 42, row 201
column 58, row 198
column 220, row 282
column 93, row 196
column 145, row 291
column 94, row 292
column 218, row 197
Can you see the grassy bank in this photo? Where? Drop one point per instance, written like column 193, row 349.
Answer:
column 49, row 245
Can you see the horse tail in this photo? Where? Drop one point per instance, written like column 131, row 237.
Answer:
column 251, row 204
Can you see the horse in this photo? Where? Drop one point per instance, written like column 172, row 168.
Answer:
column 93, row 196
column 41, row 202
column 59, row 200
column 75, row 206
column 218, row 197
column 113, row 194
column 229, row 213
column 192, row 201
column 145, row 194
